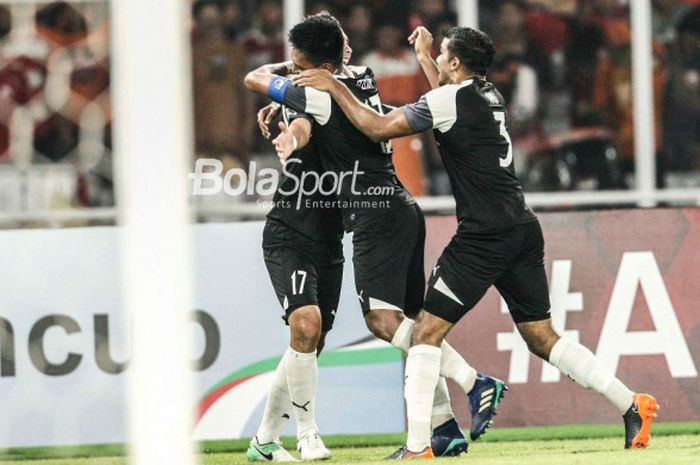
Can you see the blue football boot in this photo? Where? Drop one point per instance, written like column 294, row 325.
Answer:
column 448, row 440
column 484, row 398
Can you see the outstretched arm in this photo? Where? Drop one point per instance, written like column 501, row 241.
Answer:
column 292, row 138
column 265, row 116
column 375, row 126
column 422, row 41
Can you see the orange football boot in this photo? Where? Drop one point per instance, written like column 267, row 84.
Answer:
column 638, row 421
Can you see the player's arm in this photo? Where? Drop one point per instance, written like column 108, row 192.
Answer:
column 375, row 126
column 259, row 79
column 292, row 138
column 422, row 41
column 265, row 116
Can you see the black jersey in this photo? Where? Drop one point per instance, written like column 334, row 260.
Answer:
column 311, row 211
column 367, row 181
column 470, row 126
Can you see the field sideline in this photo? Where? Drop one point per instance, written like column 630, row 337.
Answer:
column 673, row 443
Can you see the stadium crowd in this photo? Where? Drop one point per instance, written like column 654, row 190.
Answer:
column 564, row 66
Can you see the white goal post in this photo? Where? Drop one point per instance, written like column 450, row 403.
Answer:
column 151, row 75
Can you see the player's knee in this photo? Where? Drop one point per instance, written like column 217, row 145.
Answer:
column 383, row 323
column 429, row 330
column 539, row 336
column 305, row 324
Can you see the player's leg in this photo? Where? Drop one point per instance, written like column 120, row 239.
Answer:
column 524, row 287
column 465, row 270
column 452, row 365
column 330, row 275
column 294, row 279
column 582, row 366
column 421, row 378
column 296, row 377
column 301, row 366
column 390, row 281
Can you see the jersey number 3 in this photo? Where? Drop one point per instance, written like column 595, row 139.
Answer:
column 500, row 116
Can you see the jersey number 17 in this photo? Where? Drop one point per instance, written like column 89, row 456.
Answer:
column 376, row 104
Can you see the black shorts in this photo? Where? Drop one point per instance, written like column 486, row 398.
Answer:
column 303, row 272
column 388, row 261
column 512, row 260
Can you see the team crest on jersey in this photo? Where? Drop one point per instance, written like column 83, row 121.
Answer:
column 365, row 84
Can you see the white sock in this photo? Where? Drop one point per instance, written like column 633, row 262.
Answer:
column 442, row 409
column 579, row 364
column 422, row 373
column 302, row 379
column 278, row 406
column 452, row 366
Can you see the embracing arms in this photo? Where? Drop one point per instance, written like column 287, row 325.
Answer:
column 259, row 79
column 375, row 126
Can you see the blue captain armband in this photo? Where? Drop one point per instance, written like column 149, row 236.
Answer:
column 277, row 88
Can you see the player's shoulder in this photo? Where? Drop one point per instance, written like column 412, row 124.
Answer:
column 447, row 94
column 361, row 71
column 361, row 83
column 489, row 93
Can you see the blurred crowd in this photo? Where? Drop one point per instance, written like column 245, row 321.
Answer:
column 564, row 67
column 55, row 112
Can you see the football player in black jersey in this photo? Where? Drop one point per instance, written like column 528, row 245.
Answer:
column 498, row 241
column 303, row 254
column 387, row 224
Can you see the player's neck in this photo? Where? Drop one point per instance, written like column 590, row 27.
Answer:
column 461, row 76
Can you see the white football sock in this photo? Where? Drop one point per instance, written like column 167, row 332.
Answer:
column 278, row 406
column 452, row 365
column 422, row 373
column 302, row 379
column 442, row 409
column 579, row 364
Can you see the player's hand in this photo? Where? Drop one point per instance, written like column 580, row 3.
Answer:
column 265, row 116
column 284, row 143
column 422, row 40
column 317, row 78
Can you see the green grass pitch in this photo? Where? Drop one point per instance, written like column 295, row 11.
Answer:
column 672, row 443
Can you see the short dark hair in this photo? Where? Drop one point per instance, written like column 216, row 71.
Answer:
column 473, row 48
column 320, row 38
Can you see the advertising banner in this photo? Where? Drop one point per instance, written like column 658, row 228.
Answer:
column 64, row 342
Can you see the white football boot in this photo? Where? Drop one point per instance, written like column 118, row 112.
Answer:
column 311, row 447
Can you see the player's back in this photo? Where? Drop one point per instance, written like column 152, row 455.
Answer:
column 470, row 126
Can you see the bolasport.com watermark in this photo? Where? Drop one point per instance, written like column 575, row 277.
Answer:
column 300, row 189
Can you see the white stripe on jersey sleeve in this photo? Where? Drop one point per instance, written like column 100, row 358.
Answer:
column 318, row 105
column 443, row 105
